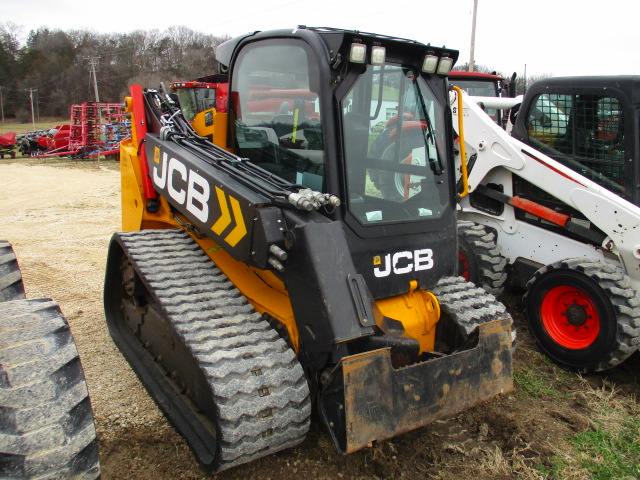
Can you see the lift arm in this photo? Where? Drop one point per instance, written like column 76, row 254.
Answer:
column 495, row 150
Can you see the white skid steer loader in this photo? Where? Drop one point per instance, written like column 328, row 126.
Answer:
column 574, row 245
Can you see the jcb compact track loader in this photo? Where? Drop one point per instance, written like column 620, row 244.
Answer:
column 242, row 295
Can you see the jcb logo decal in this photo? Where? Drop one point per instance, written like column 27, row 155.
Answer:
column 224, row 221
column 403, row 262
column 191, row 190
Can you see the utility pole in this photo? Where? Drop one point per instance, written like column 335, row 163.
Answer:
column 473, row 36
column 93, row 61
column 33, row 118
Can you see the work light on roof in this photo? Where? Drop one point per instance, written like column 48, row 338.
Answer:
column 445, row 65
column 378, row 55
column 430, row 63
column 358, row 53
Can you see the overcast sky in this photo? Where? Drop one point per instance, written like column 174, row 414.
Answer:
column 559, row 37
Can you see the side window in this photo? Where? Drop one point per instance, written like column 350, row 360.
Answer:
column 274, row 98
column 547, row 120
column 584, row 132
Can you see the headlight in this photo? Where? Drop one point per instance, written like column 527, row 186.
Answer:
column 378, row 55
column 430, row 63
column 445, row 65
column 358, row 53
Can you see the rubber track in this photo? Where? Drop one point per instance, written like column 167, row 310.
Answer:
column 624, row 300
column 469, row 305
column 491, row 264
column 46, row 422
column 11, row 286
column 256, row 381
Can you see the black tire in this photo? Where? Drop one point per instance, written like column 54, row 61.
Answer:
column 46, row 426
column 479, row 259
column 11, row 286
column 583, row 314
column 464, row 306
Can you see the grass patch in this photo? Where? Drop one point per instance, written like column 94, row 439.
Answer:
column 46, row 123
column 609, row 456
column 610, row 449
column 64, row 162
column 534, row 385
column 542, row 379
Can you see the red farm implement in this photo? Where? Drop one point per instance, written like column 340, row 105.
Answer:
column 8, row 145
column 94, row 129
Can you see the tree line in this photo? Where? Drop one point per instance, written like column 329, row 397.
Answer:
column 54, row 67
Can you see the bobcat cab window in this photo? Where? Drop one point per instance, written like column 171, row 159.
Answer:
column 584, row 132
column 277, row 114
column 392, row 130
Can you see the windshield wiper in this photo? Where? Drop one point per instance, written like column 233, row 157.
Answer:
column 439, row 169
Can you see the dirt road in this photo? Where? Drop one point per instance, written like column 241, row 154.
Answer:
column 59, row 218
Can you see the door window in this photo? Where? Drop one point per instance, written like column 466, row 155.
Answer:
column 274, row 98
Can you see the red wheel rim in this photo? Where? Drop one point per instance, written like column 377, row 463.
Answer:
column 570, row 317
column 463, row 266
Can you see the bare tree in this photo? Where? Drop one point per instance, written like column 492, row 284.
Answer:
column 523, row 83
column 55, row 63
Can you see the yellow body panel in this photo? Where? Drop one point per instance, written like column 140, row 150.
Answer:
column 134, row 215
column 213, row 125
column 220, row 121
column 419, row 312
column 203, row 123
column 262, row 288
column 131, row 187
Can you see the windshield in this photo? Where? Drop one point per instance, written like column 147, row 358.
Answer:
column 393, row 137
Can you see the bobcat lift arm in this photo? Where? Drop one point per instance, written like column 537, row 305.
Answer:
column 493, row 156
